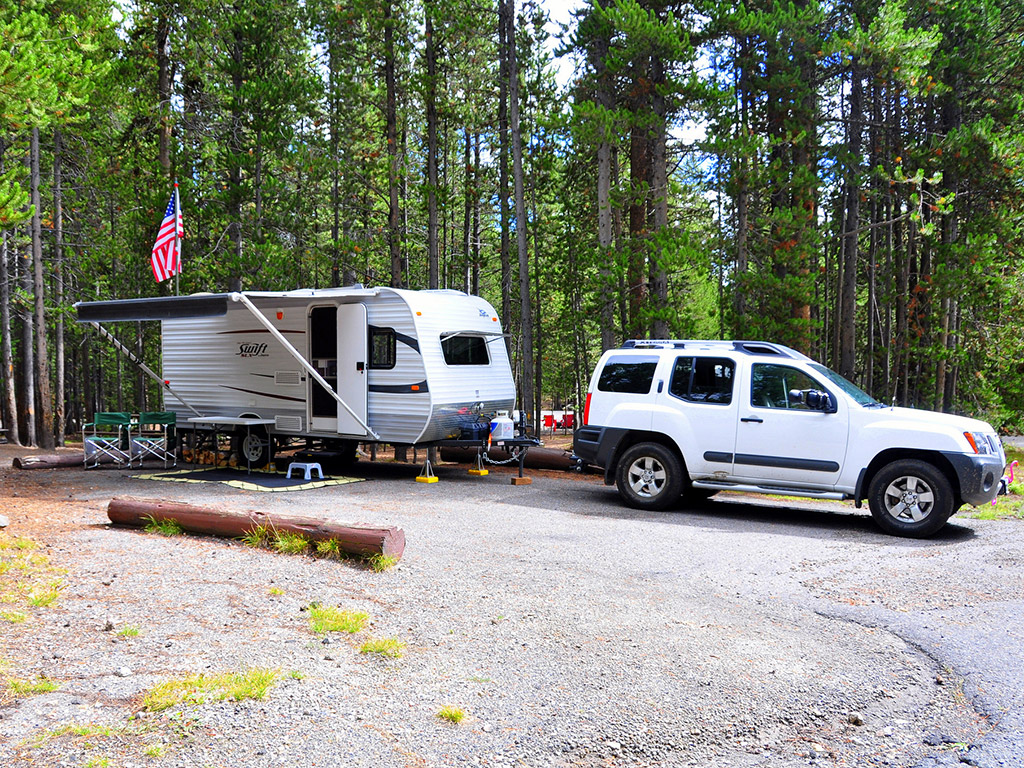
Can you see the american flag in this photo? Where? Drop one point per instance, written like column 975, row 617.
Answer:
column 167, row 249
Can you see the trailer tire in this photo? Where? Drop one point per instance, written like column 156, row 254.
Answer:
column 253, row 447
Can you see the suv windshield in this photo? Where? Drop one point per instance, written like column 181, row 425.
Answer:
column 849, row 388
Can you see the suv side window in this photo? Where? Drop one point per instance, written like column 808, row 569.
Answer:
column 770, row 386
column 703, row 379
column 632, row 374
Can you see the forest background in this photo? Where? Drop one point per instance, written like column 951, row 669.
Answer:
column 842, row 176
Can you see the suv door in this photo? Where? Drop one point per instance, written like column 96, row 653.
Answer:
column 702, row 390
column 779, row 440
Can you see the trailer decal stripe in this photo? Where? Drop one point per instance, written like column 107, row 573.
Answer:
column 258, row 330
column 400, row 389
column 266, row 394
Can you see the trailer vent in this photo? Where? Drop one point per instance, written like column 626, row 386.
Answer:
column 288, row 423
column 287, row 377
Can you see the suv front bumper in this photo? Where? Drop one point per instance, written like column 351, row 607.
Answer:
column 978, row 476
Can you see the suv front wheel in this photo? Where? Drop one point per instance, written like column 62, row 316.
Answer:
column 910, row 498
column 649, row 476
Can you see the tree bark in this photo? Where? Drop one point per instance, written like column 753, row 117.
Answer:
column 526, row 313
column 503, row 155
column 848, row 289
column 10, row 400
column 605, row 99
column 356, row 539
column 43, row 431
column 398, row 278
column 60, row 399
column 431, row 105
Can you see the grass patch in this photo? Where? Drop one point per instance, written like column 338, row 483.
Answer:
column 277, row 591
column 13, row 617
column 452, row 714
column 154, row 750
column 380, row 562
column 46, row 595
column 330, row 548
column 31, row 687
column 327, row 618
column 129, row 630
column 258, row 536
column 16, row 543
column 84, row 731
column 385, row 646
column 297, row 674
column 290, row 543
column 198, row 689
column 1005, row 508
column 163, row 526
column 98, row 762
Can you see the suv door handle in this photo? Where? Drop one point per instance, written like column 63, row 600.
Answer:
column 753, row 419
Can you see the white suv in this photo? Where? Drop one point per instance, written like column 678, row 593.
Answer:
column 671, row 419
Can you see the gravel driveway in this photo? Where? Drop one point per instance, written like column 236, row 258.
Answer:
column 572, row 632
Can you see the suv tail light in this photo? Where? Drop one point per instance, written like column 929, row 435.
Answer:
column 586, row 410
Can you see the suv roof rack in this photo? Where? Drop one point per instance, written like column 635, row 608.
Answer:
column 746, row 347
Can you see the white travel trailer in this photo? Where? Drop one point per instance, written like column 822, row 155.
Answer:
column 338, row 366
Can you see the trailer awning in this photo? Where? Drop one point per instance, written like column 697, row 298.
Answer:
column 202, row 304
column 157, row 308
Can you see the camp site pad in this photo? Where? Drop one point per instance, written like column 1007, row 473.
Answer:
column 255, row 481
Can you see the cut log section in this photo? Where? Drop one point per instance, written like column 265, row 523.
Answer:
column 354, row 539
column 54, row 460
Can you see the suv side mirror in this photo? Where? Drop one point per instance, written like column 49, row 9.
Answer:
column 814, row 399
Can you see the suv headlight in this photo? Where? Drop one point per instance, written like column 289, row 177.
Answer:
column 983, row 445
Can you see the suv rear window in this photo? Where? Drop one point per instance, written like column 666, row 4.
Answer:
column 703, row 379
column 632, row 375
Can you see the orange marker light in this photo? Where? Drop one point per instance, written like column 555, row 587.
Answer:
column 280, row 315
column 415, row 387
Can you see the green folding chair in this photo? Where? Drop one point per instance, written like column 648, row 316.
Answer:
column 155, row 438
column 107, row 436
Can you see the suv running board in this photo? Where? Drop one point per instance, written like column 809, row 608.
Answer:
column 711, row 485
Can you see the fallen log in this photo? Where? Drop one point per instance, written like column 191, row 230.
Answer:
column 536, row 458
column 355, row 539
column 54, row 460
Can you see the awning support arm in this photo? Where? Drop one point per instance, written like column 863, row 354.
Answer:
column 142, row 366
column 244, row 301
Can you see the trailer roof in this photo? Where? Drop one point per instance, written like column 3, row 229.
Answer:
column 196, row 305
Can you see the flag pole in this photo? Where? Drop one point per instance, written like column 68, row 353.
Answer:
column 177, row 217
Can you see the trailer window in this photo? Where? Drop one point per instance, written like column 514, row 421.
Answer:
column 465, row 350
column 382, row 348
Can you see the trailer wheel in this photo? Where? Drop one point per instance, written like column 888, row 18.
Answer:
column 253, row 447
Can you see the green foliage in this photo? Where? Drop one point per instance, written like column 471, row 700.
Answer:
column 197, row 689
column 326, row 618
column 387, row 646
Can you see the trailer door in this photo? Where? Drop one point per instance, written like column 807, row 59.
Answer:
column 352, row 356
column 337, row 345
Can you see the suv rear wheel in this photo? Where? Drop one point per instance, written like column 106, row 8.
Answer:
column 649, row 476
column 910, row 498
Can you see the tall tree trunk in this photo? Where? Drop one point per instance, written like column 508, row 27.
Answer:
column 503, row 155
column 58, row 298
column 44, row 426
column 467, row 212
column 398, row 278
column 526, row 314
column 851, row 234
column 431, row 99
column 636, row 278
column 163, row 89
column 659, row 197
column 10, row 400
column 742, row 179
column 475, row 289
column 605, row 98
